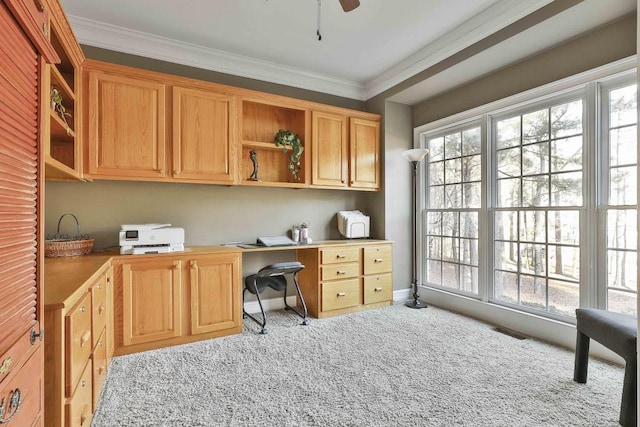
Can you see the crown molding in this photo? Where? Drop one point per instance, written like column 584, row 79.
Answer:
column 482, row 25
column 112, row 37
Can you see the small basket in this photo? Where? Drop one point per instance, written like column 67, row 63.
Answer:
column 63, row 245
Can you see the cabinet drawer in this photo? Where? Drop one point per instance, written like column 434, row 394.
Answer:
column 338, row 255
column 377, row 259
column 378, row 288
column 78, row 341
column 340, row 271
column 342, row 294
column 99, row 365
column 99, row 304
column 79, row 409
column 23, row 385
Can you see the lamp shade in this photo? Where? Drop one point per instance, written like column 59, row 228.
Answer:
column 415, row 154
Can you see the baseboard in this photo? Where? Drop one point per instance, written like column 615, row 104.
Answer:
column 402, row 295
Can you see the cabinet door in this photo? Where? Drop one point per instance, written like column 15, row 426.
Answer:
column 215, row 293
column 151, row 300
column 126, row 127
column 329, row 150
column 204, row 136
column 364, row 167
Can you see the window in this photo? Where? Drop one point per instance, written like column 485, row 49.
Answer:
column 557, row 214
column 620, row 152
column 454, row 189
column 539, row 196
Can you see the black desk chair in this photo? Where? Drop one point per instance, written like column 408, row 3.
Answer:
column 273, row 276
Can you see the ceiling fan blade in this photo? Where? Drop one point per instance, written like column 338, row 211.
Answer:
column 349, row 5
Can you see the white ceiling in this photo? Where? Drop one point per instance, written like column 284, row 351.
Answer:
column 361, row 54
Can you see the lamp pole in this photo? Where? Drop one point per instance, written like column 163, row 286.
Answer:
column 414, row 156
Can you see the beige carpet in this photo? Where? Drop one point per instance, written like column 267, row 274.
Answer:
column 387, row 367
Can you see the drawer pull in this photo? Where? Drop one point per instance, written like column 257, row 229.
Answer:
column 377, row 260
column 341, row 294
column 84, row 338
column 82, row 309
column 101, row 369
column 15, row 400
column 341, row 256
column 340, row 272
column 83, row 383
column 377, row 290
column 83, row 418
column 101, row 309
column 6, row 364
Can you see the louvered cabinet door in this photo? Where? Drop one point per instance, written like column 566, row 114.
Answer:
column 19, row 189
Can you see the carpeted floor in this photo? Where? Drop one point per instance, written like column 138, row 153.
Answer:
column 386, row 367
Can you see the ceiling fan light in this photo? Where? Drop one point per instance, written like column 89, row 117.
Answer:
column 349, row 5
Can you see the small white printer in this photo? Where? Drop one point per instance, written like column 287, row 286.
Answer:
column 353, row 224
column 150, row 239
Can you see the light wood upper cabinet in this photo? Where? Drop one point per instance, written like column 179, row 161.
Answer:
column 330, row 149
column 126, row 129
column 204, row 136
column 151, row 304
column 364, row 161
column 215, row 293
column 346, row 152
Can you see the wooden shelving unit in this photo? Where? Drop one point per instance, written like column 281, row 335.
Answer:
column 62, row 145
column 260, row 123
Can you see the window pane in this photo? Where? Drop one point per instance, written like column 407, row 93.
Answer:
column 509, row 192
column 566, row 119
column 469, row 224
column 434, row 272
column 623, row 106
column 533, row 291
column 469, row 251
column 436, row 197
column 508, row 132
column 564, row 262
column 436, row 149
column 564, row 297
column 453, row 196
column 506, row 256
column 623, row 186
column 535, row 159
column 533, row 259
column 566, row 154
column 535, row 126
column 509, row 163
column 533, row 226
column 434, row 247
column 506, row 286
column 452, row 171
column 535, row 191
column 436, row 173
column 450, row 223
column 434, row 223
column 471, row 141
column 450, row 275
column 452, row 146
column 450, row 250
column 469, row 279
column 506, row 225
column 566, row 189
column 564, row 227
column 621, row 270
column 471, row 195
column 471, row 168
column 623, row 146
column 622, row 302
column 622, row 229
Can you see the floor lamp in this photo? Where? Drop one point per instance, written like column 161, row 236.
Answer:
column 414, row 156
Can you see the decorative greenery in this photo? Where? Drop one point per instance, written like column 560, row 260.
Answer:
column 286, row 138
column 56, row 104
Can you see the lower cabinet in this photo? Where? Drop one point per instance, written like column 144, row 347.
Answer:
column 344, row 279
column 76, row 357
column 163, row 300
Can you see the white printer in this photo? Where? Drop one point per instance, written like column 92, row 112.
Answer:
column 353, row 224
column 150, row 239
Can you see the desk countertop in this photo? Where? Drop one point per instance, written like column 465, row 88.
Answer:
column 64, row 277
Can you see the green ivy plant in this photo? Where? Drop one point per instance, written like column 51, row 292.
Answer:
column 284, row 139
column 56, row 104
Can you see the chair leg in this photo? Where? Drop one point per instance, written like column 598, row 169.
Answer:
column 582, row 358
column 246, row 315
column 628, row 407
column 305, row 321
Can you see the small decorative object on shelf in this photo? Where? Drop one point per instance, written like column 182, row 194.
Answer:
column 254, row 159
column 58, row 107
column 286, row 138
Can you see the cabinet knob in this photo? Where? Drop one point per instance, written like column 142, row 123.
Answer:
column 340, row 256
column 377, row 289
column 340, row 272
column 82, row 309
column 341, row 294
column 83, row 383
column 377, row 260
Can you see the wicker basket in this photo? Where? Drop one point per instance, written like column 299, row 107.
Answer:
column 63, row 245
